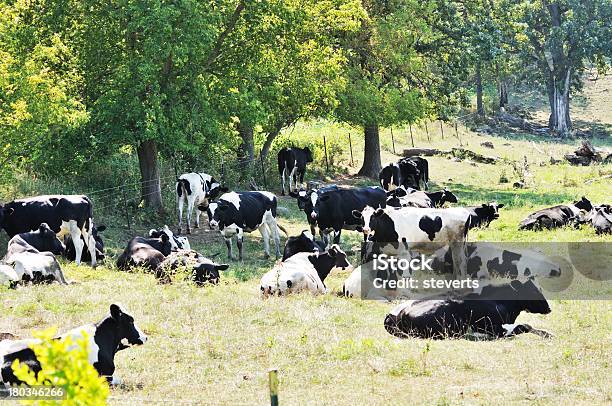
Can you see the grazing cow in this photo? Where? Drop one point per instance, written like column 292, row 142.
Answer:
column 304, row 242
column 556, row 216
column 112, row 334
column 303, row 271
column 304, row 202
column 238, row 212
column 333, row 209
column 202, row 270
column 70, row 252
column 399, row 174
column 421, row 229
column 491, row 312
column 423, row 167
column 65, row 214
column 601, row 219
column 292, row 163
column 401, row 197
column 483, row 215
column 197, row 189
column 177, row 242
column 145, row 252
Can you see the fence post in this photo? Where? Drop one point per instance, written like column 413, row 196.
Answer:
column 427, row 132
column 263, row 171
column 222, row 171
column 392, row 140
column 351, row 148
column 273, row 383
column 411, row 138
column 125, row 208
column 325, row 149
column 441, row 129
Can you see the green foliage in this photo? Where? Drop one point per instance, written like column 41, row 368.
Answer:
column 65, row 365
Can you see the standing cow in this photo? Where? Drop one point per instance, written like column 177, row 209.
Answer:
column 292, row 163
column 65, row 214
column 197, row 189
column 411, row 172
column 237, row 212
column 304, row 200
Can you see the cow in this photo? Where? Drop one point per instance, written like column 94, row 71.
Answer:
column 600, row 218
column 333, row 209
column 145, row 252
column 305, row 242
column 423, row 167
column 292, row 163
column 65, row 214
column 492, row 312
column 352, row 285
column 556, row 216
column 402, row 197
column 303, row 272
column 112, row 334
column 410, row 172
column 304, row 202
column 202, row 270
column 177, row 242
column 32, row 257
column 483, row 215
column 238, row 212
column 420, row 229
column 70, row 252
column 197, row 189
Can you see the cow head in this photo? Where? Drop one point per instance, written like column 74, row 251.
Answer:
column 176, row 242
column 583, row 204
column 5, row 212
column 207, row 272
column 317, row 200
column 369, row 217
column 124, row 328
column 339, row 257
column 49, row 241
column 302, row 197
column 448, row 196
column 488, row 212
column 220, row 214
column 308, row 154
column 212, row 191
column 533, row 300
column 99, row 242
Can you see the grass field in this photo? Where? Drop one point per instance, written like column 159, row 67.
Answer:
column 214, row 345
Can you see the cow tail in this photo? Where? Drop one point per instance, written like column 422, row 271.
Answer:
column 182, row 187
column 89, row 221
column 179, row 187
column 282, row 229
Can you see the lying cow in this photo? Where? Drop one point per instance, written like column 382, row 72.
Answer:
column 238, row 212
column 556, row 216
column 305, row 203
column 333, row 209
column 197, row 189
column 177, row 242
column 600, row 218
column 202, row 270
column 304, row 242
column 303, row 272
column 483, row 215
column 491, row 312
column 145, row 252
column 31, row 255
column 426, row 230
column 112, row 334
column 402, row 197
column 292, row 164
column 70, row 253
column 65, row 214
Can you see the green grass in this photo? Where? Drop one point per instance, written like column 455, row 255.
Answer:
column 215, row 344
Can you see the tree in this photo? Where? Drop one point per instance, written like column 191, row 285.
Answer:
column 559, row 38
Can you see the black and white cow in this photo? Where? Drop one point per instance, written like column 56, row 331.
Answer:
column 491, row 312
column 305, row 242
column 333, row 209
column 202, row 270
column 70, row 252
column 423, row 167
column 303, row 272
column 65, row 214
column 112, row 334
column 402, row 197
column 177, row 242
column 238, row 212
column 425, row 230
column 304, row 202
column 145, row 252
column 556, row 216
column 600, row 218
column 197, row 189
column 31, row 257
column 292, row 163
column 410, row 172
column 483, row 215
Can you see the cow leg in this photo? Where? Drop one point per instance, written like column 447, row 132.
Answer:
column 198, row 215
column 180, row 202
column 75, row 234
column 337, row 236
column 239, row 241
column 265, row 234
column 459, row 260
column 293, row 177
column 516, row 329
column 228, row 244
column 273, row 228
column 91, row 243
column 283, row 180
column 190, row 204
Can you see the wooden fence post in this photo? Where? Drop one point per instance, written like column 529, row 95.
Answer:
column 263, row 171
column 441, row 129
column 392, row 140
column 427, row 132
column 325, row 149
column 273, row 383
column 411, row 138
column 351, row 148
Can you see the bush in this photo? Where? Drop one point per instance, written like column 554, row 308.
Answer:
column 64, row 364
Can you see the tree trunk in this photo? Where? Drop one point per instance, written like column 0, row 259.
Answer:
column 149, row 171
column 248, row 146
column 371, row 156
column 479, row 105
column 559, row 121
column 503, row 93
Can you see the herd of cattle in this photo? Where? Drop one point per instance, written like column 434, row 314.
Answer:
column 399, row 211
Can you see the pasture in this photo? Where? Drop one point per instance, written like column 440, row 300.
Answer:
column 214, row 345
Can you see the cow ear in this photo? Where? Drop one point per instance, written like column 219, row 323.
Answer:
column 324, row 198
column 115, row 311
column 378, row 212
column 484, row 205
column 499, row 206
column 152, row 233
column 357, row 214
column 101, row 228
column 221, row 267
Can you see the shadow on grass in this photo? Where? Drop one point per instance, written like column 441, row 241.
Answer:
column 473, row 195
